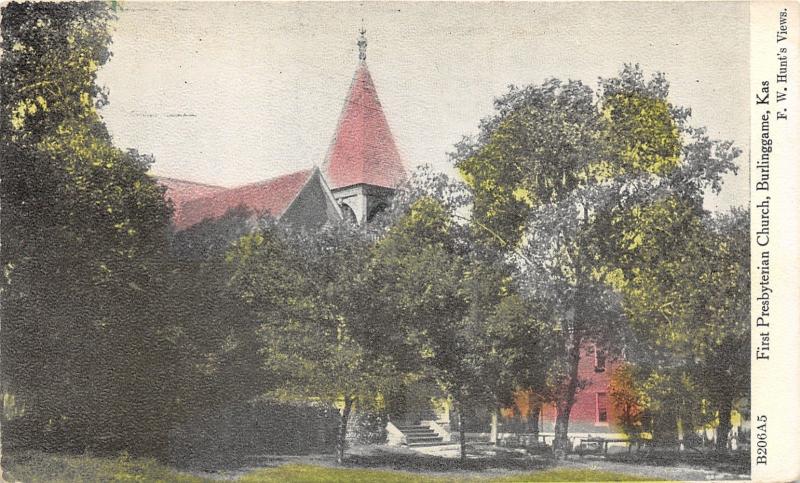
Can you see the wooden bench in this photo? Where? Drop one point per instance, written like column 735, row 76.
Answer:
column 601, row 443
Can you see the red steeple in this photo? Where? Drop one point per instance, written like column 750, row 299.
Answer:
column 363, row 149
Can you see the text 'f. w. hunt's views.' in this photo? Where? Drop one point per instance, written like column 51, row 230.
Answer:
column 368, row 242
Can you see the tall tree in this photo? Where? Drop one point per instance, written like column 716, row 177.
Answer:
column 83, row 232
column 444, row 287
column 320, row 337
column 690, row 310
column 536, row 152
column 523, row 343
column 555, row 168
column 219, row 362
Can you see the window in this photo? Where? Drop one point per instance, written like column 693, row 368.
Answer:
column 599, row 361
column 602, row 407
column 348, row 214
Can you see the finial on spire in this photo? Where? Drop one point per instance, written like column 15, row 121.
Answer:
column 362, row 44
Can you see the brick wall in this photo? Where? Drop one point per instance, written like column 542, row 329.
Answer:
column 585, row 416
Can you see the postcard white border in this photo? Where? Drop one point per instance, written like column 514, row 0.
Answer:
column 775, row 388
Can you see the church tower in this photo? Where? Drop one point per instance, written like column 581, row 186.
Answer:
column 363, row 166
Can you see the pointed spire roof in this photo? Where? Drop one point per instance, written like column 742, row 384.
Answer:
column 363, row 150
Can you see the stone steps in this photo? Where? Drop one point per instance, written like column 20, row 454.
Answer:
column 420, row 432
column 418, row 435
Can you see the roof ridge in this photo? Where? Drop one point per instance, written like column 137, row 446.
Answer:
column 250, row 185
column 308, row 171
column 181, row 180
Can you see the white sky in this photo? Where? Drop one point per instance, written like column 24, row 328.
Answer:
column 229, row 93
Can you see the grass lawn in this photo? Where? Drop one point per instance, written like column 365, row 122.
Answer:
column 565, row 474
column 33, row 467
column 318, row 474
column 314, row 474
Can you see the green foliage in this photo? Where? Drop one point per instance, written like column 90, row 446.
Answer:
column 589, row 194
column 643, row 130
column 682, row 276
column 51, row 54
column 422, row 280
column 453, row 297
column 687, row 302
column 36, row 467
column 83, row 224
column 308, row 294
column 628, row 398
column 642, row 134
column 510, row 164
column 322, row 334
column 670, row 396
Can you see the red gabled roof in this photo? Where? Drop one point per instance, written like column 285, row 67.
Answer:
column 363, row 149
column 181, row 191
column 272, row 197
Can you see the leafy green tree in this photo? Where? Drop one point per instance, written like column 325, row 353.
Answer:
column 216, row 337
column 556, row 168
column 692, row 313
column 530, row 152
column 83, row 235
column 444, row 288
column 539, row 147
column 521, row 344
column 693, row 306
column 420, row 279
column 672, row 404
column 219, row 362
column 311, row 298
column 513, row 335
column 724, row 340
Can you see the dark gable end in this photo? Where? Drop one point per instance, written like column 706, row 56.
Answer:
column 314, row 206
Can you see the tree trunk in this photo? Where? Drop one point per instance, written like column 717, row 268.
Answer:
column 561, row 440
column 341, row 436
column 724, row 427
column 533, row 421
column 462, row 437
column 564, row 407
column 493, row 431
